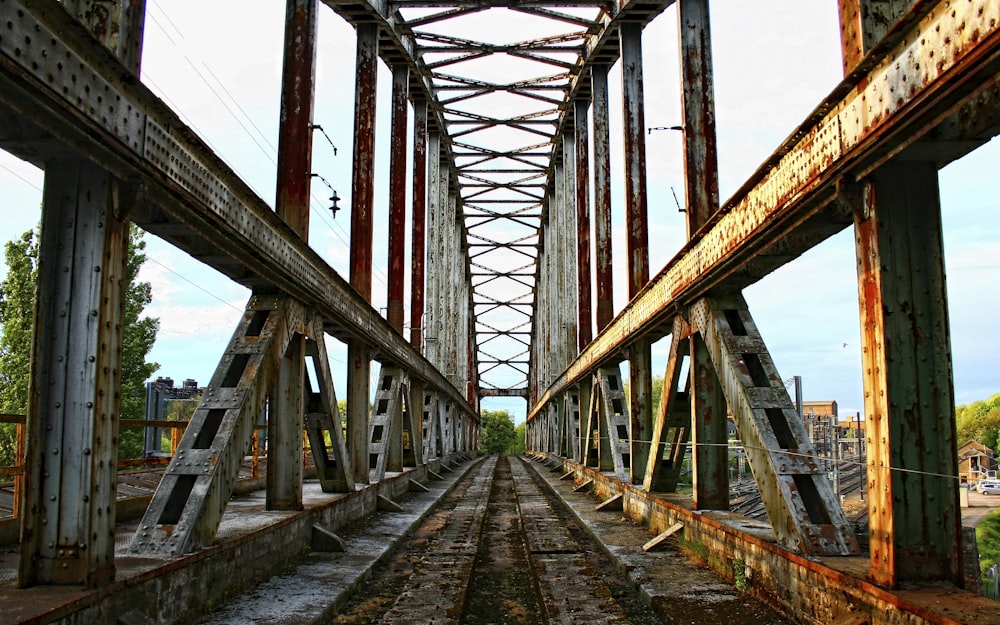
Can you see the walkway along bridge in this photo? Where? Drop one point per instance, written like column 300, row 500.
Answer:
column 503, row 224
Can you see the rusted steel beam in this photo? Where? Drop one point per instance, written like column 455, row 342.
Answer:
column 602, row 198
column 789, row 204
column 914, row 514
column 634, row 131
column 701, row 169
column 363, row 181
column 709, row 431
column 397, row 197
column 284, row 427
column 298, row 79
column 418, row 245
column 585, row 321
column 864, row 24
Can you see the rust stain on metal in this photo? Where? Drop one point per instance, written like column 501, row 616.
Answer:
column 634, row 131
column 397, row 197
column 363, row 182
column 419, row 222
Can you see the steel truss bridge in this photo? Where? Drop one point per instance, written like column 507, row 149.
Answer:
column 508, row 203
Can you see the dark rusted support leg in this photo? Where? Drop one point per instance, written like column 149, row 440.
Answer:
column 701, row 175
column 602, row 198
column 637, row 240
column 295, row 132
column 701, row 170
column 68, row 507
column 585, row 319
column 710, row 432
column 915, row 522
column 285, row 420
column 419, row 223
column 358, row 356
column 284, row 430
column 397, row 197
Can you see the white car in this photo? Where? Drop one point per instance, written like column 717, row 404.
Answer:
column 989, row 487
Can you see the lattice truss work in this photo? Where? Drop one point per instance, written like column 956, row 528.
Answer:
column 502, row 99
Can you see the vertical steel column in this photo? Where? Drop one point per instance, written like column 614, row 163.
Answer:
column 432, row 312
column 362, row 202
column 285, row 419
column 585, row 315
column 701, row 182
column 602, row 197
column 68, row 507
column 418, row 246
column 637, row 241
column 397, row 197
column 567, row 263
column 915, row 520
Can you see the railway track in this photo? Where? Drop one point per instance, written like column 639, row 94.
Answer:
column 497, row 550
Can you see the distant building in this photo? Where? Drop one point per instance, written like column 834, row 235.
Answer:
column 975, row 462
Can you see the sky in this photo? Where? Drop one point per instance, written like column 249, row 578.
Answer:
column 224, row 82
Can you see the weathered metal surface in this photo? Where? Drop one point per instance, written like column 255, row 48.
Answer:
column 913, row 513
column 701, row 169
column 585, row 320
column 72, row 422
column 397, row 197
column 68, row 491
column 602, row 199
column 640, row 375
column 285, row 422
column 358, row 408
column 709, row 432
column 615, row 437
column 187, row 507
column 298, row 78
column 385, row 439
column 865, row 119
column 634, row 132
column 322, row 419
column 363, row 171
column 673, row 413
column 804, row 514
column 190, row 197
column 418, row 244
column 864, row 24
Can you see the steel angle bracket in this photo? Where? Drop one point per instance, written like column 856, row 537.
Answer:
column 322, row 417
column 615, row 417
column 385, row 433
column 673, row 417
column 187, row 507
column 799, row 500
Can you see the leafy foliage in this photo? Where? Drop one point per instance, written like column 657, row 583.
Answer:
column 17, row 302
column 980, row 421
column 988, row 540
column 17, row 299
column 496, row 432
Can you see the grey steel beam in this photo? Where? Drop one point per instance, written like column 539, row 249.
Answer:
column 914, row 516
column 187, row 193
column 68, row 507
column 790, row 204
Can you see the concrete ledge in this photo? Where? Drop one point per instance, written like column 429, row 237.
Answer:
column 253, row 545
column 811, row 590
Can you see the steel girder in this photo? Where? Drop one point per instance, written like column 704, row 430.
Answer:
column 187, row 195
column 931, row 83
column 502, row 179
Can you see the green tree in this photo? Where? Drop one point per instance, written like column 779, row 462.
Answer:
column 520, row 438
column 140, row 334
column 988, row 540
column 17, row 297
column 496, row 432
column 17, row 303
column 979, row 421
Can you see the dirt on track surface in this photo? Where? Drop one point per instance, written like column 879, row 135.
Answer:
column 501, row 549
column 496, row 551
